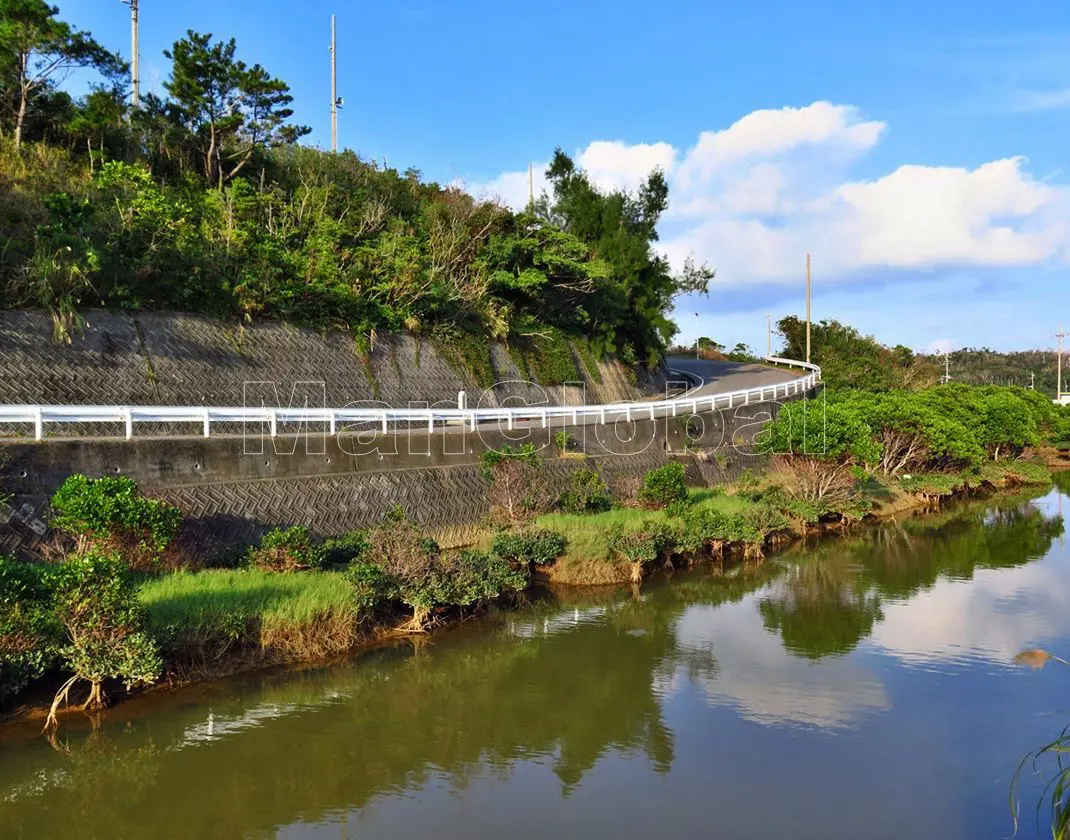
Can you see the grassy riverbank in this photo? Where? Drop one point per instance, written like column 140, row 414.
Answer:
column 214, row 622
column 217, row 621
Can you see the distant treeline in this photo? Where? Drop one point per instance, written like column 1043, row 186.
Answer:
column 982, row 366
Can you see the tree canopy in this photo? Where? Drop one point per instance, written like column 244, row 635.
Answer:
column 203, row 200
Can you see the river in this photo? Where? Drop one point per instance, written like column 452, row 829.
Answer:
column 858, row 687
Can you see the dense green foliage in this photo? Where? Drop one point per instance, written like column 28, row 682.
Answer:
column 849, row 359
column 111, row 512
column 344, row 549
column 288, row 550
column 28, row 631
column 951, row 426
column 664, row 485
column 203, row 201
column 532, row 547
column 586, row 492
column 96, row 603
column 404, row 567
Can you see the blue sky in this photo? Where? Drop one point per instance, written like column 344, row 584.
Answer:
column 918, row 149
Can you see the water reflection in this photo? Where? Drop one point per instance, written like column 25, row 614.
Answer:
column 598, row 692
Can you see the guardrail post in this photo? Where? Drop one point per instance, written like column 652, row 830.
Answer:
column 544, row 418
column 472, row 420
column 602, row 415
column 128, row 420
column 274, row 419
column 384, row 422
column 207, row 424
column 334, row 424
column 430, row 422
column 509, row 421
column 38, row 424
column 575, row 419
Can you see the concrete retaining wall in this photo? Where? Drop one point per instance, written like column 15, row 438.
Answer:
column 232, row 489
column 147, row 359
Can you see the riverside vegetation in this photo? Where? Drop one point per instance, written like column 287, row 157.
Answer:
column 122, row 604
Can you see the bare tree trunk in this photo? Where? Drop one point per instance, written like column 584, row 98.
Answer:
column 21, row 118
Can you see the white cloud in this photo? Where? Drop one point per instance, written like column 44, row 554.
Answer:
column 939, row 346
column 510, row 188
column 751, row 199
column 613, row 165
column 1041, row 100
column 765, row 682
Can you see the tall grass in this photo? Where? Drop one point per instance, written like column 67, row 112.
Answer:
column 221, row 620
column 211, row 598
column 587, row 560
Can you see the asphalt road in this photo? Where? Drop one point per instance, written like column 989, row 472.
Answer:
column 724, row 377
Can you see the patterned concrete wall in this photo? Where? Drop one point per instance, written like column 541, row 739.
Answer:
column 232, row 490
column 148, row 359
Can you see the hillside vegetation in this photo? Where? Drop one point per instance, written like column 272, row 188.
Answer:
column 204, row 201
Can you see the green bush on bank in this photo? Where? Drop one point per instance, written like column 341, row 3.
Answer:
column 586, row 493
column 95, row 601
column 664, row 485
column 288, row 550
column 403, row 568
column 532, row 547
column 945, row 428
column 29, row 632
column 111, row 512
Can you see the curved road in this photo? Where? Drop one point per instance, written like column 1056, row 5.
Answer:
column 723, row 377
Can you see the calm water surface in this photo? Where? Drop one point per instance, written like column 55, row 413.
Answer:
column 860, row 688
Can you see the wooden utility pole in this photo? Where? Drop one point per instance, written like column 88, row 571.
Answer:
column 135, row 74
column 1059, row 365
column 808, row 309
column 334, row 88
column 768, row 335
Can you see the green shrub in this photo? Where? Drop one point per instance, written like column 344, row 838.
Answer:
column 525, row 453
column 29, row 634
column 664, row 485
column 537, row 546
column 564, row 441
column 112, row 514
column 97, row 605
column 481, row 577
column 642, row 545
column 586, row 493
column 346, row 548
column 288, row 550
column 373, row 588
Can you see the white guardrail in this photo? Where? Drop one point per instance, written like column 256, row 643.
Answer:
column 39, row 415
